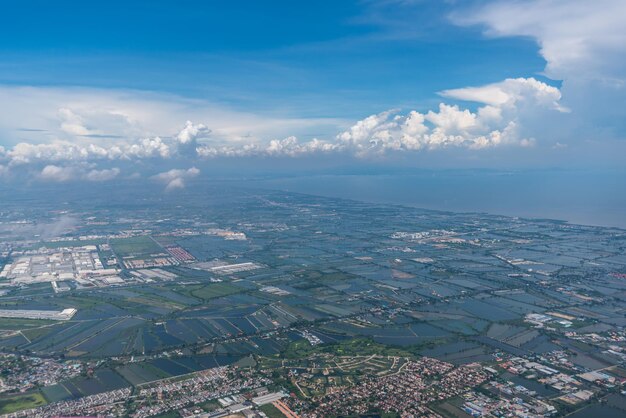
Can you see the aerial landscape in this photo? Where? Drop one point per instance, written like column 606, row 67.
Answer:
column 369, row 208
column 315, row 306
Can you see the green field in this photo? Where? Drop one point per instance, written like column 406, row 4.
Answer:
column 19, row 402
column 155, row 300
column 31, row 290
column 142, row 245
column 80, row 301
column 34, row 333
column 139, row 373
column 214, row 290
column 354, row 347
column 19, row 323
column 209, row 406
column 271, row 411
column 56, row 393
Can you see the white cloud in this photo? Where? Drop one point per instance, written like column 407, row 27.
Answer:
column 170, row 175
column 497, row 122
column 66, row 126
column 71, row 123
column 290, row 146
column 57, row 173
column 494, row 124
column 177, row 183
column 584, row 45
column 54, row 113
column 578, row 38
column 450, row 120
column 57, row 151
column 190, row 133
column 102, row 175
column 511, row 92
column 146, row 148
column 449, row 127
column 287, row 147
column 525, row 101
column 175, row 178
column 80, row 150
column 369, row 129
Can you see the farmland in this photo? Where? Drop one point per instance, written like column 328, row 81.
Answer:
column 317, row 295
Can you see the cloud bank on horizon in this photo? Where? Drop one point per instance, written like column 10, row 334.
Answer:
column 65, row 134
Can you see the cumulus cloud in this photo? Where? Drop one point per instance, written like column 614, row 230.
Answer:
column 83, row 154
column 175, row 178
column 286, row 147
column 498, row 120
column 510, row 93
column 496, row 123
column 190, row 133
column 186, row 141
column 146, row 148
column 290, row 146
column 57, row 151
column 102, row 175
column 449, row 127
column 57, row 173
column 584, row 45
column 177, row 183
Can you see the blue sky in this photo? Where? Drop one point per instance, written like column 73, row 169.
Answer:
column 98, row 92
column 327, row 59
